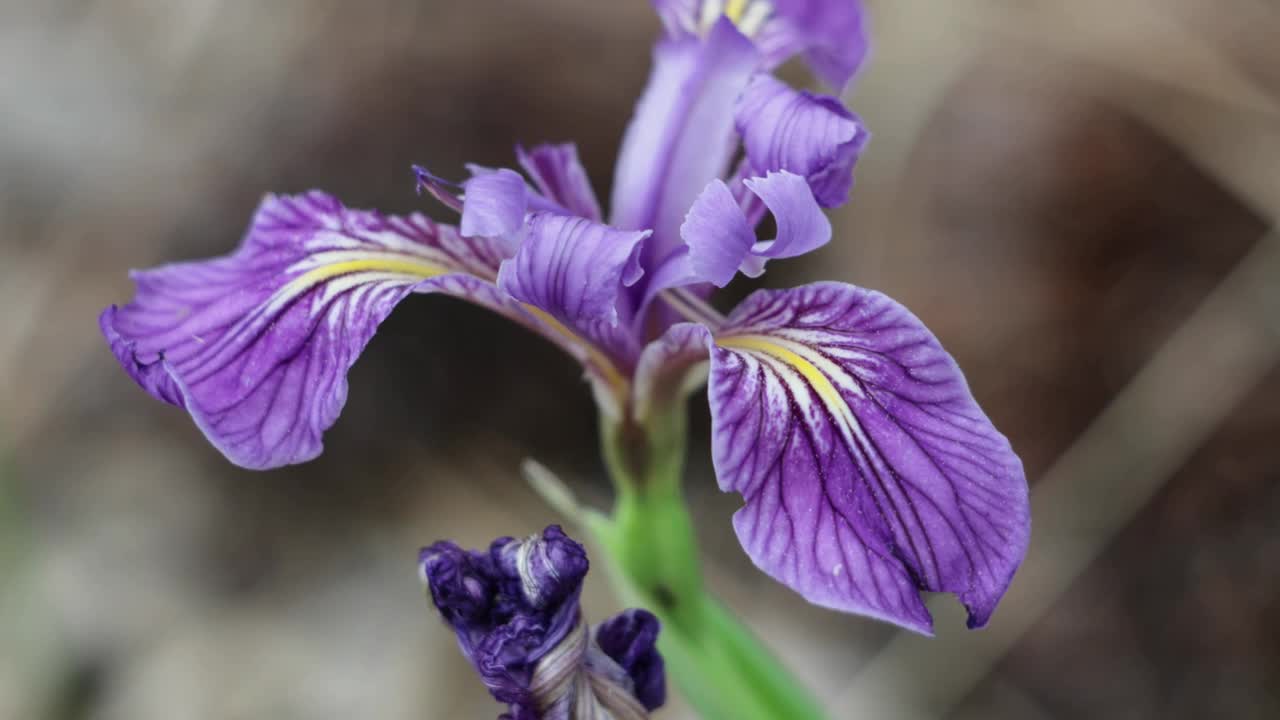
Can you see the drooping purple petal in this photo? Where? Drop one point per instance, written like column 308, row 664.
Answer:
column 560, row 177
column 631, row 640
column 575, row 270
column 515, row 612
column 869, row 473
column 256, row 345
column 810, row 135
column 682, row 134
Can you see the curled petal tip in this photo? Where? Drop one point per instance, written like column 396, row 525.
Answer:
column 447, row 193
column 719, row 238
column 822, row 142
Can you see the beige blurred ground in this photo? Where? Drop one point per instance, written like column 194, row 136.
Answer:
column 1073, row 195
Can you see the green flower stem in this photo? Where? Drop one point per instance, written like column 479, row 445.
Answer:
column 724, row 671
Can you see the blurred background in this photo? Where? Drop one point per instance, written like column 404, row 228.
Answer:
column 1078, row 198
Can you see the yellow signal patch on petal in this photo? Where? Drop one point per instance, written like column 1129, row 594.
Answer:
column 748, row 15
column 809, row 364
column 371, row 262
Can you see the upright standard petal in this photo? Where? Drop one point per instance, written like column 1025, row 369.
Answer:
column 256, row 345
column 575, row 270
column 679, row 17
column 829, row 33
column 869, row 473
column 560, row 177
column 810, row 135
column 682, row 134
column 516, row 615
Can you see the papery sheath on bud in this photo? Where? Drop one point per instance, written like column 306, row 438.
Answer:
column 515, row 611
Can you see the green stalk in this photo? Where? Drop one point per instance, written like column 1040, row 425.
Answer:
column 719, row 664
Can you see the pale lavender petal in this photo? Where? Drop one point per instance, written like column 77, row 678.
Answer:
column 575, row 270
column 831, row 34
column 869, row 472
column 802, row 226
column 719, row 239
column 682, row 134
column 534, row 200
column 717, row 234
column 256, row 345
column 679, row 17
column 560, row 177
column 750, row 203
column 810, row 135
column 494, row 206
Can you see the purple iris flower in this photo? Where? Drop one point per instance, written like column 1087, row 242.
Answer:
column 868, row 471
column 515, row 611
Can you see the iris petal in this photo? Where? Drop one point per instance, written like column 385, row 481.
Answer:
column 802, row 226
column 810, row 135
column 575, row 270
column 719, row 240
column 494, row 206
column 682, row 134
column 829, row 33
column 256, row 345
column 869, row 473
column 560, row 177
column 717, row 234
